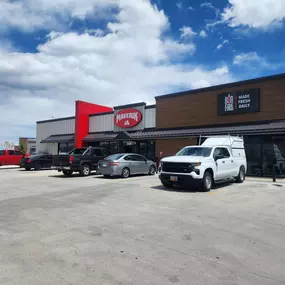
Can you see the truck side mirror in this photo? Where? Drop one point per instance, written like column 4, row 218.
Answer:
column 217, row 157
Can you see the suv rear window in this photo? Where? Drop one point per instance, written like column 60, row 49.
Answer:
column 2, row 152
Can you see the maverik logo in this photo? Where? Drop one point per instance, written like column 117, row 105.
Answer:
column 128, row 118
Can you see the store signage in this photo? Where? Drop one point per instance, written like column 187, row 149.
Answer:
column 128, row 118
column 239, row 102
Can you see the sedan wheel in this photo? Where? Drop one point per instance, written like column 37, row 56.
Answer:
column 125, row 173
column 152, row 170
column 38, row 166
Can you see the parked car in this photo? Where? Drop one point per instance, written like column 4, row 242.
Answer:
column 37, row 161
column 216, row 160
column 10, row 157
column 82, row 160
column 125, row 164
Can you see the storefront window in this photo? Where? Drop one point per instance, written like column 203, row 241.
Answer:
column 142, row 149
column 65, row 147
column 151, row 150
column 114, row 147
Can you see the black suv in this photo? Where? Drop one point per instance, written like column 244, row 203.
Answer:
column 82, row 160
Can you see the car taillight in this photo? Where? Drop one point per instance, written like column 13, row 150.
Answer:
column 29, row 160
column 113, row 163
column 71, row 159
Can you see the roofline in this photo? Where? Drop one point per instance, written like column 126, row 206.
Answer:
column 130, row 105
column 56, row 120
column 101, row 114
column 150, row 106
column 223, row 86
column 239, row 124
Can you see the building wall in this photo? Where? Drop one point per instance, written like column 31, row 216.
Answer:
column 198, row 109
column 172, row 146
column 150, row 119
column 105, row 122
column 56, row 127
column 102, row 123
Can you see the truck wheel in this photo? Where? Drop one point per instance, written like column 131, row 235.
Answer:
column 28, row 168
column 125, row 172
column 67, row 173
column 207, row 182
column 241, row 176
column 152, row 170
column 85, row 170
column 167, row 185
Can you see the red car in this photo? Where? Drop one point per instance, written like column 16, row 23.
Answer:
column 10, row 157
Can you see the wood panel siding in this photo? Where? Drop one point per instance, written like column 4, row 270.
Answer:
column 200, row 109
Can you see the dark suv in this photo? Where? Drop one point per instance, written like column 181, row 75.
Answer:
column 82, row 160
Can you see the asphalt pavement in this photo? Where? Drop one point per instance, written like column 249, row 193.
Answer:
column 56, row 230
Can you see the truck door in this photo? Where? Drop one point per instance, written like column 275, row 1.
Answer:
column 11, row 158
column 3, row 157
column 223, row 160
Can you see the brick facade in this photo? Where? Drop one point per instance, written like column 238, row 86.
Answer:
column 172, row 146
column 200, row 109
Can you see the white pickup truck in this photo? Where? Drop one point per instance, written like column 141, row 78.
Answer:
column 216, row 160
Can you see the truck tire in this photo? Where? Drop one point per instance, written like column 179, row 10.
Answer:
column 167, row 185
column 85, row 170
column 241, row 176
column 67, row 173
column 207, row 182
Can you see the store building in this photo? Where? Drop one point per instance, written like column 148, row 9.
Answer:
column 29, row 144
column 253, row 108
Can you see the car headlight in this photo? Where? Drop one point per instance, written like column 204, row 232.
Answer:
column 196, row 164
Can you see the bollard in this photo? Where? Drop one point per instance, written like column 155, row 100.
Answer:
column 274, row 172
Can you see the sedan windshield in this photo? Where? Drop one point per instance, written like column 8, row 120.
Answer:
column 195, row 151
column 114, row 156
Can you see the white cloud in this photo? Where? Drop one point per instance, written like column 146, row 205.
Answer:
column 29, row 15
column 187, row 33
column 191, row 8
column 254, row 14
column 246, row 57
column 210, row 6
column 221, row 45
column 203, row 34
column 252, row 60
column 132, row 61
column 179, row 5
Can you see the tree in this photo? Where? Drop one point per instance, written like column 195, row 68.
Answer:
column 7, row 145
column 22, row 149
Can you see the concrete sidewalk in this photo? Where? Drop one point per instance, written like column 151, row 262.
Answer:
column 9, row 166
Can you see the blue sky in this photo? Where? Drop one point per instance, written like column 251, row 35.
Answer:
column 113, row 52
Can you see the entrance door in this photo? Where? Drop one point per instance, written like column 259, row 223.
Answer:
column 129, row 147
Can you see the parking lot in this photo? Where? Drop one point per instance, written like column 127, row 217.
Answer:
column 91, row 230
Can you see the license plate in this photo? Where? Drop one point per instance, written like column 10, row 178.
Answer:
column 104, row 165
column 173, row 178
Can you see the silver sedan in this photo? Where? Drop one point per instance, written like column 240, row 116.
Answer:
column 125, row 164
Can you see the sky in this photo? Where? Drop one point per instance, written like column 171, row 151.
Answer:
column 115, row 52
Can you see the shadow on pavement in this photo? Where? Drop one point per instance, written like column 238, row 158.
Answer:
column 192, row 189
column 75, row 175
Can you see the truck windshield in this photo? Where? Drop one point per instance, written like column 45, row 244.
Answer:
column 78, row 151
column 195, row 151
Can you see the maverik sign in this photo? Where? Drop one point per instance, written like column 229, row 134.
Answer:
column 128, row 118
column 239, row 102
